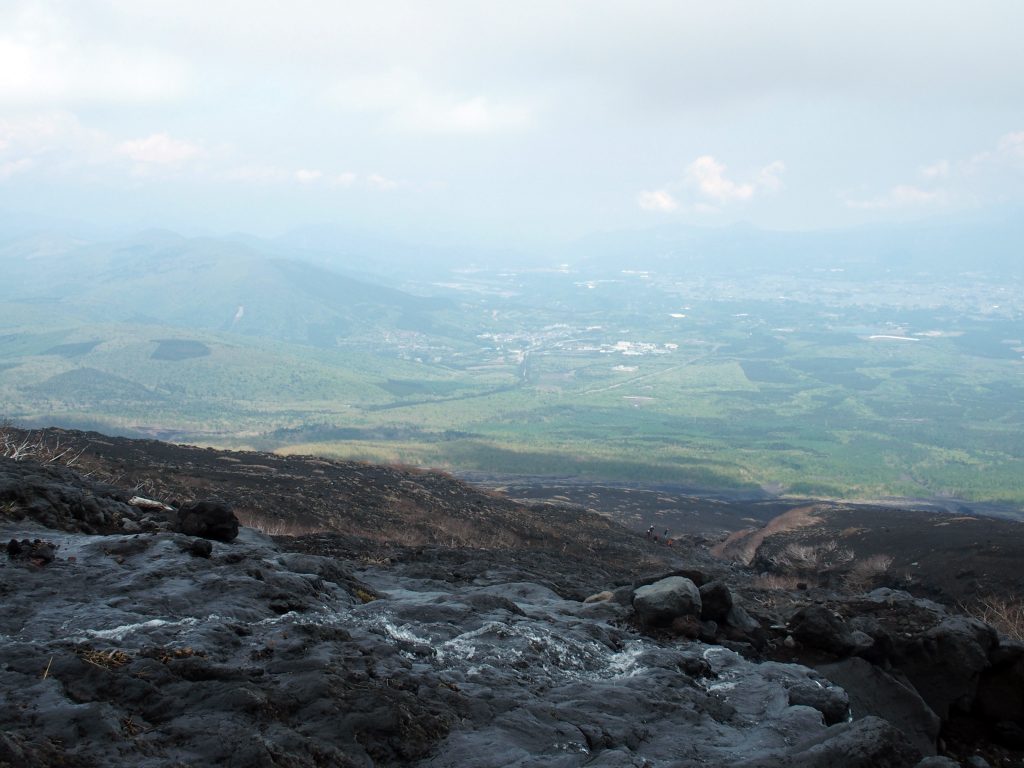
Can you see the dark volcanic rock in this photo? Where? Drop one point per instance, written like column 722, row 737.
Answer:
column 831, row 700
column 715, row 601
column 867, row 743
column 818, row 627
column 209, row 520
column 1000, row 695
column 135, row 652
column 945, row 664
column 200, row 548
column 932, row 674
column 35, row 551
column 57, row 497
column 874, row 692
column 160, row 649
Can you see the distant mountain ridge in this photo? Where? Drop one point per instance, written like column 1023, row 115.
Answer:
column 203, row 283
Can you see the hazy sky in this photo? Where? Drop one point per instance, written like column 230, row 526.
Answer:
column 536, row 118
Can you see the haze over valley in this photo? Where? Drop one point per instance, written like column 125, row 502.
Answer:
column 854, row 364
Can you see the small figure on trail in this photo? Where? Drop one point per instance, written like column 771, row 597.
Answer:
column 650, row 532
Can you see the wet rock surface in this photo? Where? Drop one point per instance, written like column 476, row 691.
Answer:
column 136, row 644
column 136, row 653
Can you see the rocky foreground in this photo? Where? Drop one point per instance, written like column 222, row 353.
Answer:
column 144, row 634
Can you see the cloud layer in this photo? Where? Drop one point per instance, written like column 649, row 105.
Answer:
column 566, row 117
column 707, row 188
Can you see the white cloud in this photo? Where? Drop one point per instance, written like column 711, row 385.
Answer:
column 345, row 179
column 657, row 200
column 41, row 132
column 377, row 181
column 708, row 187
column 44, row 60
column 708, row 176
column 11, row 167
column 986, row 175
column 271, row 174
column 159, row 149
column 900, row 196
column 473, row 115
column 1011, row 145
column 937, row 170
column 406, row 102
column 1008, row 153
column 254, row 174
column 306, row 176
column 769, row 176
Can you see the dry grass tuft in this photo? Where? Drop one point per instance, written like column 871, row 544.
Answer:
column 21, row 445
column 272, row 526
column 866, row 572
column 809, row 558
column 364, row 596
column 109, row 660
column 1005, row 614
column 167, row 655
column 776, row 581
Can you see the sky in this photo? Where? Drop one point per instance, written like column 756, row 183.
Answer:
column 499, row 120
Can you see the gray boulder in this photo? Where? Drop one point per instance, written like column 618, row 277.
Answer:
column 660, row 603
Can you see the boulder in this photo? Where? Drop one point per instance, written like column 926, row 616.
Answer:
column 873, row 691
column 658, row 604
column 1000, row 694
column 946, row 662
column 716, row 601
column 739, row 619
column 831, row 700
column 200, row 548
column 816, row 626
column 867, row 743
column 1009, row 734
column 208, row 520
